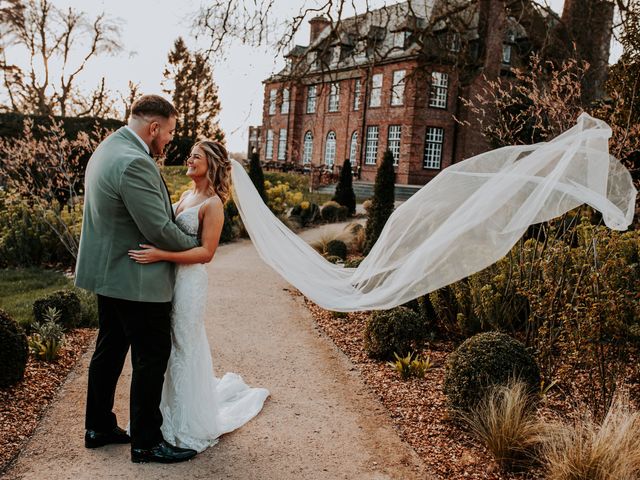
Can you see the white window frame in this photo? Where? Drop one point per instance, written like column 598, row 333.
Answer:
column 282, row 144
column 371, row 149
column 439, row 90
column 376, row 90
column 353, row 148
column 397, row 88
column 272, row 101
column 394, row 136
column 357, row 93
column 334, row 97
column 307, row 149
column 312, row 99
column 330, row 149
column 284, row 107
column 269, row 145
column 433, row 143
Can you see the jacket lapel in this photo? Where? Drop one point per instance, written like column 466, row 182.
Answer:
column 134, row 141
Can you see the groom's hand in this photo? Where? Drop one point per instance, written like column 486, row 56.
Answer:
column 148, row 254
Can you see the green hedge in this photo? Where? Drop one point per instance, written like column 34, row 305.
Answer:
column 12, row 124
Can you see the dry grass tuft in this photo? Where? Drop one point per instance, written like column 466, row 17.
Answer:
column 357, row 237
column 320, row 245
column 590, row 450
column 505, row 421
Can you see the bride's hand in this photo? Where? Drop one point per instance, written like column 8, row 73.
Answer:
column 149, row 254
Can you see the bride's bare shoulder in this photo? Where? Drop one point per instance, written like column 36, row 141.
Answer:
column 212, row 206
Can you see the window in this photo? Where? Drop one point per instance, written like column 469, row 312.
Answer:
column 282, row 144
column 397, row 89
column 433, row 147
column 335, row 55
column 439, row 87
column 400, row 39
column 311, row 99
column 272, row 101
column 353, row 148
column 376, row 90
column 312, row 60
column 330, row 149
column 454, row 42
column 357, row 90
column 506, row 53
column 269, row 148
column 393, row 142
column 308, row 148
column 284, row 108
column 371, row 152
column 334, row 97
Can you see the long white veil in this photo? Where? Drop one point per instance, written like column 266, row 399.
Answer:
column 465, row 219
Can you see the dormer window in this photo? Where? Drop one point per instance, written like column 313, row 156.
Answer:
column 454, row 42
column 506, row 54
column 335, row 55
column 312, row 60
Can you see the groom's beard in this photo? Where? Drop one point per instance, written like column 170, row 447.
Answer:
column 155, row 149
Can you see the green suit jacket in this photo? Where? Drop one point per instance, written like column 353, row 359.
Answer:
column 126, row 203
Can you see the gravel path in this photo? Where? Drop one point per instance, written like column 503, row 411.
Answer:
column 320, row 422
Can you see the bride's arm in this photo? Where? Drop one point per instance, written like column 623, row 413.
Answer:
column 212, row 221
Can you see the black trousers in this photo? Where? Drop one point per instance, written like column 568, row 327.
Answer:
column 146, row 327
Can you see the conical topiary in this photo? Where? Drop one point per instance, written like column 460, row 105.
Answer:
column 382, row 202
column 345, row 195
column 257, row 176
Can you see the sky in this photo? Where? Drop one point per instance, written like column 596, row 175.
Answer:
column 148, row 30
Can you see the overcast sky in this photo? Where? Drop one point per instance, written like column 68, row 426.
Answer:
column 149, row 28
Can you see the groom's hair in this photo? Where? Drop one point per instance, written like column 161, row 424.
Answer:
column 153, row 105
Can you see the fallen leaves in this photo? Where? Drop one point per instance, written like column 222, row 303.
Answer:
column 22, row 405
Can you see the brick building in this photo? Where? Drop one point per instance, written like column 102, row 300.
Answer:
column 390, row 79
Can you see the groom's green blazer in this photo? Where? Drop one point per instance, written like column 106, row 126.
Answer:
column 126, row 203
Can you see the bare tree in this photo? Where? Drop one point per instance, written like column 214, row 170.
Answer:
column 53, row 36
column 132, row 95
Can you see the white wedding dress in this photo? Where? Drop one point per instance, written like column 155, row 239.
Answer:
column 197, row 407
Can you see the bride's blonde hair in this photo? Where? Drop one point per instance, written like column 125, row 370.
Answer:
column 219, row 172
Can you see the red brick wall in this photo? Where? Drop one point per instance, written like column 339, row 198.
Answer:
column 415, row 115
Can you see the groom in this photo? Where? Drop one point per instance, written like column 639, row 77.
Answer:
column 126, row 204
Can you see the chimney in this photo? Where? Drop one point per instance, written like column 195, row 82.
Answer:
column 317, row 25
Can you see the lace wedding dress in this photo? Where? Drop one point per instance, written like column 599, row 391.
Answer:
column 196, row 406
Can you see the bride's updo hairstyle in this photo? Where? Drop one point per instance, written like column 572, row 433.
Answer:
column 219, row 173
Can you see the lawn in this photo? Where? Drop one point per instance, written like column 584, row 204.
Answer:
column 20, row 288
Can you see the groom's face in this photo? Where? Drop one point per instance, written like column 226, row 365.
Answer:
column 162, row 131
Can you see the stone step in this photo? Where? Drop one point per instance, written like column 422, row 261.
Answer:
column 364, row 190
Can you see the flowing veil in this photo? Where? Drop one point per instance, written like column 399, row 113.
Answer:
column 465, row 219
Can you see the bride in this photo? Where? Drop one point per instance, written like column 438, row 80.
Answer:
column 197, row 408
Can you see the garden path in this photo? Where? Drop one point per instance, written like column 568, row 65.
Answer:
column 321, row 422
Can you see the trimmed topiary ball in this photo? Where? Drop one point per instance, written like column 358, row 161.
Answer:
column 399, row 330
column 483, row 361
column 337, row 248
column 330, row 210
column 14, row 351
column 66, row 302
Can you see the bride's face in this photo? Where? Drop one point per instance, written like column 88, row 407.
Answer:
column 197, row 165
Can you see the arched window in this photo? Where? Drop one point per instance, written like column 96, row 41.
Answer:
column 353, row 148
column 330, row 149
column 308, row 148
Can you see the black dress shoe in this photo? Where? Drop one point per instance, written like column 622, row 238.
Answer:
column 94, row 439
column 162, row 453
